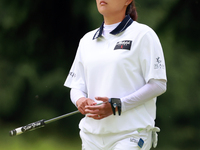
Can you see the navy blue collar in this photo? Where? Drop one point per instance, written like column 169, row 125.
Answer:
column 120, row 28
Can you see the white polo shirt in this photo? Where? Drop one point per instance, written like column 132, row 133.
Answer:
column 117, row 66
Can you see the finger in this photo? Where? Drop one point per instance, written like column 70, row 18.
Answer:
column 96, row 116
column 93, row 107
column 92, row 111
column 81, row 111
column 104, row 99
column 93, row 104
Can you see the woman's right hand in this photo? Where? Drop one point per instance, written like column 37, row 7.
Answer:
column 82, row 102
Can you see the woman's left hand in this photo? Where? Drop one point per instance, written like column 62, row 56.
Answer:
column 99, row 111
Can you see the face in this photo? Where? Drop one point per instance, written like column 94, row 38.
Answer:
column 112, row 7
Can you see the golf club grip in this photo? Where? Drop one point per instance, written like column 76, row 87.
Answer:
column 29, row 127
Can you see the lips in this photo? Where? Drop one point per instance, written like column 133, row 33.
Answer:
column 103, row 2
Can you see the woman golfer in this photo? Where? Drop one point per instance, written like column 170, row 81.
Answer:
column 122, row 65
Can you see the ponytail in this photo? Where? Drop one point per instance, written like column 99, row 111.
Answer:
column 131, row 10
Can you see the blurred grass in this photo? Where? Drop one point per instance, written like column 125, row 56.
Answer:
column 50, row 143
column 35, row 140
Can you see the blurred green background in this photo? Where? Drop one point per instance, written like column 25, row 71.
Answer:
column 38, row 42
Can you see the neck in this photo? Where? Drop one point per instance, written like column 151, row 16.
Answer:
column 112, row 19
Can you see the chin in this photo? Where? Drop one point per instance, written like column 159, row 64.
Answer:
column 103, row 12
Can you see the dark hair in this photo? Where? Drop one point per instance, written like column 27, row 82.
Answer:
column 131, row 10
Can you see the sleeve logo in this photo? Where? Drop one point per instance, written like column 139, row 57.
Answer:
column 72, row 74
column 126, row 45
column 159, row 64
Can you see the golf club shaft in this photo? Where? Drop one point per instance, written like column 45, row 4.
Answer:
column 41, row 123
column 38, row 124
column 61, row 117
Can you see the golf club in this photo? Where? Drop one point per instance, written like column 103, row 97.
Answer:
column 41, row 123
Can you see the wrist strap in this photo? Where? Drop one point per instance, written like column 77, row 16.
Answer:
column 115, row 102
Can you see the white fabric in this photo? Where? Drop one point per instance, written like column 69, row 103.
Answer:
column 155, row 137
column 75, row 94
column 108, row 28
column 125, row 141
column 99, row 70
column 150, row 90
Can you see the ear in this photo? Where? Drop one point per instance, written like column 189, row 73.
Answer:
column 128, row 2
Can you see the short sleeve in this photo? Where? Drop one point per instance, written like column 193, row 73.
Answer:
column 151, row 57
column 76, row 77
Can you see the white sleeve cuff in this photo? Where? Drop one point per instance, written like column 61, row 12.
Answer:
column 76, row 94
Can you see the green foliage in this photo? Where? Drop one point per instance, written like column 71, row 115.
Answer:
column 38, row 44
column 33, row 141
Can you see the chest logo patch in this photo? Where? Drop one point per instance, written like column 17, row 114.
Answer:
column 126, row 45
